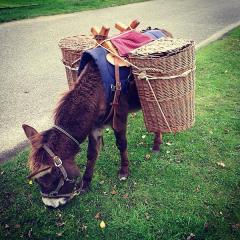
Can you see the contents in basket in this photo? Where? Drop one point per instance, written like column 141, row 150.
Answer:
column 162, row 47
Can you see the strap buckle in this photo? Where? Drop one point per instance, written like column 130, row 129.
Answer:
column 57, row 161
column 116, row 87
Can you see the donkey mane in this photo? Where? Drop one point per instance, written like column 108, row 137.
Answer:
column 78, row 109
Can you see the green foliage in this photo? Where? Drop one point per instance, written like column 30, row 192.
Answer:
column 191, row 186
column 22, row 9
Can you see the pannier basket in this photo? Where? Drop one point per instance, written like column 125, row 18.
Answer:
column 164, row 73
column 72, row 49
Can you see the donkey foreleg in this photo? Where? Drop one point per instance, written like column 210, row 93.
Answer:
column 157, row 142
column 94, row 142
column 121, row 142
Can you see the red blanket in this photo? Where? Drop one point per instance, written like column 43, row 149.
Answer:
column 129, row 41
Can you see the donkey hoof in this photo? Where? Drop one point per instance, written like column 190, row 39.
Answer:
column 123, row 177
column 155, row 149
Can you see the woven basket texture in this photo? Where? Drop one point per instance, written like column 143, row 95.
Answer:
column 169, row 67
column 72, row 49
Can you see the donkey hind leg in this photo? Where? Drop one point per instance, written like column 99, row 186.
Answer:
column 157, row 142
column 121, row 142
column 94, row 142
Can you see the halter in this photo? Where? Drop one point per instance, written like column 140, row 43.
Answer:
column 58, row 163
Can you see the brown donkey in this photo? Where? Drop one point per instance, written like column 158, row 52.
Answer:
column 81, row 113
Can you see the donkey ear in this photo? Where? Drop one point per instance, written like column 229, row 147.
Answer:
column 29, row 131
column 40, row 173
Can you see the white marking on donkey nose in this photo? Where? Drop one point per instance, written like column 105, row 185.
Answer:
column 54, row 202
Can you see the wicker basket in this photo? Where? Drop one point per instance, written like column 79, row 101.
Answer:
column 72, row 49
column 165, row 81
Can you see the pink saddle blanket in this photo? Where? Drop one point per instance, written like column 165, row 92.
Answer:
column 129, row 41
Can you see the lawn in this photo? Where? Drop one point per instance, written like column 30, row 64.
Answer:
column 22, row 9
column 191, row 187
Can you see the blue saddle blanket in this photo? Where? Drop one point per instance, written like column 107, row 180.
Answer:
column 106, row 69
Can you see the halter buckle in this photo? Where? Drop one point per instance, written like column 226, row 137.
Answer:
column 57, row 161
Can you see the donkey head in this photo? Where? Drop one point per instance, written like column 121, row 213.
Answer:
column 52, row 166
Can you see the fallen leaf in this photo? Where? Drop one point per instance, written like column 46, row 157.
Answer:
column 143, row 136
column 98, row 215
column 147, row 156
column 221, row 164
column 168, row 152
column 113, row 192
column 6, row 226
column 84, row 227
column 191, row 237
column 147, row 216
column 102, row 224
column 226, row 130
column 17, row 226
column 60, row 234
column 168, row 143
column 197, row 189
column 2, row 172
column 30, row 182
column 140, row 144
column 125, row 196
column 101, row 182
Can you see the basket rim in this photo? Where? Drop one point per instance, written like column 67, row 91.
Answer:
column 187, row 44
column 62, row 42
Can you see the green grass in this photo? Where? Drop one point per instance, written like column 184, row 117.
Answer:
column 22, row 9
column 171, row 195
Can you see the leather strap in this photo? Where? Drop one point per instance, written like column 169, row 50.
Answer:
column 117, row 93
column 67, row 134
column 57, row 161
